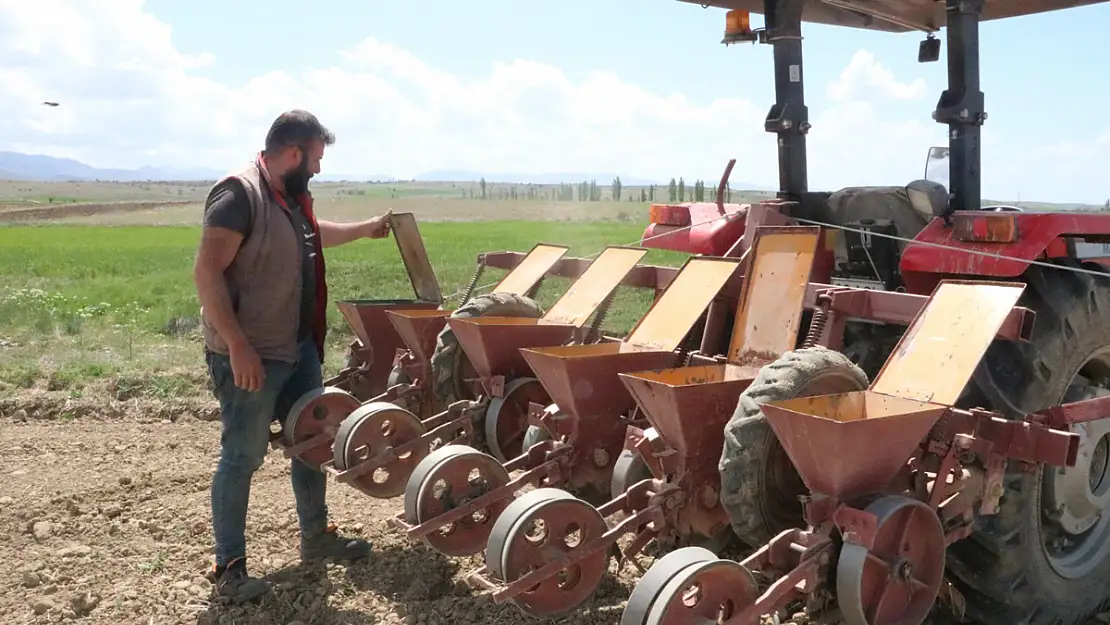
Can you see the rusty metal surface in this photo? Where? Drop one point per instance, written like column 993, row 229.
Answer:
column 673, row 313
column 368, row 432
column 897, row 16
column 770, row 307
column 583, row 381
column 317, row 413
column 367, row 317
column 411, row 246
column 704, row 592
column 655, row 277
column 531, row 269
column 369, row 320
column 950, row 335
column 450, row 477
column 895, row 578
column 1074, row 413
column 1025, row 441
column 656, row 578
column 419, row 329
column 880, row 306
column 492, row 344
column 850, row 444
column 539, row 466
column 689, row 407
column 599, row 280
column 538, row 529
column 903, row 308
column 507, row 417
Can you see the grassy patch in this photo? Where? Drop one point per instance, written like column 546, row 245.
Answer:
column 84, row 304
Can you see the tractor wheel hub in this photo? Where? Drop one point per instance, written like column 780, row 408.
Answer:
column 1076, row 498
column 1079, row 494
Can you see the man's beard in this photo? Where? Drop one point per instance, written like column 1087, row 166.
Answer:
column 296, row 181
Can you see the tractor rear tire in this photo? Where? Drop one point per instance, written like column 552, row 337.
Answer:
column 1009, row 570
column 759, row 485
column 449, row 361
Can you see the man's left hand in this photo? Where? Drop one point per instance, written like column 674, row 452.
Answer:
column 378, row 227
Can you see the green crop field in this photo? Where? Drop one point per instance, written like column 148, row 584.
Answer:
column 114, row 307
column 96, row 288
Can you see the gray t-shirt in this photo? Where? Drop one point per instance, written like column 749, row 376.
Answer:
column 230, row 208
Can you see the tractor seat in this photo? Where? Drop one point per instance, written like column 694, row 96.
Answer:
column 910, row 207
column 929, row 198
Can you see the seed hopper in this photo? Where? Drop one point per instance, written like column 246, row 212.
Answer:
column 895, row 473
column 312, row 422
column 419, row 329
column 548, row 551
column 576, row 439
column 492, row 345
column 374, row 446
column 389, row 346
column 371, row 354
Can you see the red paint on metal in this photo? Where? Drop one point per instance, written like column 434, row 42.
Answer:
column 418, row 329
column 583, row 382
column 711, row 234
column 370, row 323
column 1036, row 232
column 493, row 343
column 641, row 276
column 1076, row 412
column 902, row 308
column 837, row 455
column 690, row 417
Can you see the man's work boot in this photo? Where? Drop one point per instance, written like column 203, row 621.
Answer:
column 233, row 581
column 330, row 544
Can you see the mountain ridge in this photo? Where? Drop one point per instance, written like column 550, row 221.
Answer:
column 38, row 167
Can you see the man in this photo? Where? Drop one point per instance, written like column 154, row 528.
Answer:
column 259, row 275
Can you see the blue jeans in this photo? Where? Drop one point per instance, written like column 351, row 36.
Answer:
column 244, row 442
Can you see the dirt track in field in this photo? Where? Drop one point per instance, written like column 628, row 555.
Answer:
column 64, row 211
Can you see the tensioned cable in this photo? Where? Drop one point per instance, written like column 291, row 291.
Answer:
column 962, row 250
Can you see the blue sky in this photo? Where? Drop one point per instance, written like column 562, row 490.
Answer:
column 1047, row 135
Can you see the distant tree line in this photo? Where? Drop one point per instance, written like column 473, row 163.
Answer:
column 584, row 191
column 676, row 191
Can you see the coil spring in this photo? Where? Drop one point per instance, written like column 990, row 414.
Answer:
column 816, row 326
column 473, row 282
column 690, row 342
column 599, row 318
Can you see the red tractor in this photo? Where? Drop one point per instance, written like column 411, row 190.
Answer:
column 1045, row 557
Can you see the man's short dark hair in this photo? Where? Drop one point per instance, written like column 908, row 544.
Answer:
column 296, row 127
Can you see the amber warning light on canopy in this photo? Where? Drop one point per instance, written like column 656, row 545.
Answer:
column 738, row 27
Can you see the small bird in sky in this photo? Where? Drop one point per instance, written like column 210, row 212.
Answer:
column 50, row 103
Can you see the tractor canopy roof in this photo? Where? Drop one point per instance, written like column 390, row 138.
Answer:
column 898, row 16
